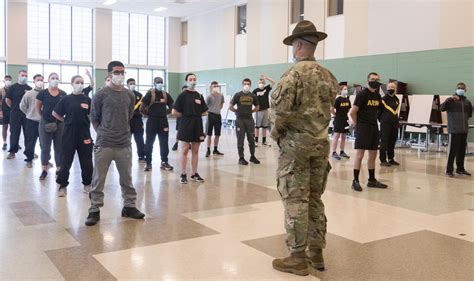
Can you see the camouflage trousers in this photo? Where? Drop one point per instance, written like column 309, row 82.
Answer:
column 302, row 177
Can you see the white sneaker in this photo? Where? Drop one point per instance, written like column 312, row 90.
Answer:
column 87, row 188
column 62, row 192
column 256, row 144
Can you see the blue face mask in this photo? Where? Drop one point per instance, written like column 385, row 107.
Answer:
column 460, row 92
column 159, row 86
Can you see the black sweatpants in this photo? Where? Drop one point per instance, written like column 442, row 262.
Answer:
column 17, row 121
column 157, row 126
column 457, row 150
column 76, row 139
column 388, row 140
column 31, row 136
column 245, row 127
column 136, row 129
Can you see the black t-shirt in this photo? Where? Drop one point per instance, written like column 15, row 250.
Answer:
column 161, row 106
column 75, row 109
column 190, row 104
column 244, row 104
column 49, row 102
column 15, row 93
column 342, row 106
column 87, row 90
column 369, row 105
column 263, row 97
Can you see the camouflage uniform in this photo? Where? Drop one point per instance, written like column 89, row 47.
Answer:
column 300, row 117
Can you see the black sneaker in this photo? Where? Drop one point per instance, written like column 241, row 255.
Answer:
column 463, row 173
column 132, row 212
column 356, row 186
column 197, row 177
column 264, row 143
column 43, row 175
column 93, row 218
column 344, row 155
column 166, row 166
column 376, row 184
column 450, row 174
column 147, row 168
column 385, row 164
column 394, row 163
column 183, row 179
column 4, row 147
column 208, row 153
column 335, row 156
column 242, row 161
column 217, row 152
column 254, row 160
column 29, row 164
column 11, row 156
column 175, row 146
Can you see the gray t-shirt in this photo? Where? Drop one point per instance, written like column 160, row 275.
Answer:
column 112, row 111
column 214, row 103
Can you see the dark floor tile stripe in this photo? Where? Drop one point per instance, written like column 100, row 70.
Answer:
column 30, row 213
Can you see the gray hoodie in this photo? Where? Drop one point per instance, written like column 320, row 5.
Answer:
column 27, row 105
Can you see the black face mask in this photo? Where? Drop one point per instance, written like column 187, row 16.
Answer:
column 374, row 84
column 391, row 92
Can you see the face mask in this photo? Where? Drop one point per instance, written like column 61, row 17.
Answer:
column 132, row 87
column 77, row 89
column 22, row 80
column 460, row 92
column 8, row 83
column 53, row 83
column 108, row 83
column 191, row 85
column 39, row 84
column 344, row 93
column 159, row 86
column 246, row 88
column 261, row 86
column 117, row 79
column 391, row 92
column 374, row 85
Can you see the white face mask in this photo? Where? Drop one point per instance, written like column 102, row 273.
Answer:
column 22, row 80
column 8, row 83
column 118, row 79
column 132, row 87
column 246, row 88
column 344, row 93
column 77, row 88
column 159, row 86
column 39, row 84
column 191, row 85
column 53, row 83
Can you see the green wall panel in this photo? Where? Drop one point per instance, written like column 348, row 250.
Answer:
column 100, row 75
column 14, row 69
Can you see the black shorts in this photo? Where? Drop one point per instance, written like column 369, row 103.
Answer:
column 178, row 119
column 214, row 123
column 191, row 129
column 6, row 117
column 340, row 125
column 367, row 137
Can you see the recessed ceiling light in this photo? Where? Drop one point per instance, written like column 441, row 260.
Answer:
column 110, row 2
column 161, row 9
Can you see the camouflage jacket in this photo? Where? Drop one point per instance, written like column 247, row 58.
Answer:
column 301, row 102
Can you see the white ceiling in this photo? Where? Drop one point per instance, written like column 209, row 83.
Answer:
column 176, row 8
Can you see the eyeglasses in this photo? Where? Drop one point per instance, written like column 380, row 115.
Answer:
column 118, row 72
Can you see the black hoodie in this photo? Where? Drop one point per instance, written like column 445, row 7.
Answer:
column 459, row 111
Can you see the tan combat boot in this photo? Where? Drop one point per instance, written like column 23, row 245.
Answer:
column 314, row 256
column 295, row 263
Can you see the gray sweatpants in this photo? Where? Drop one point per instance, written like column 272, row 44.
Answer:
column 245, row 127
column 45, row 143
column 103, row 157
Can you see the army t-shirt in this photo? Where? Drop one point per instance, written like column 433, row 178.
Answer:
column 244, row 102
column 369, row 105
column 342, row 106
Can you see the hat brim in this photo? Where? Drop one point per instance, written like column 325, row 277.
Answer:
column 289, row 40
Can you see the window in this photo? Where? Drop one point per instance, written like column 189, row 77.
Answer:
column 144, row 77
column 297, row 10
column 242, row 19
column 2, row 72
column 2, row 29
column 138, row 39
column 184, row 33
column 65, row 72
column 59, row 32
column 335, row 7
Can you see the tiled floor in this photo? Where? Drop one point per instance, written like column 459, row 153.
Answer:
column 231, row 226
